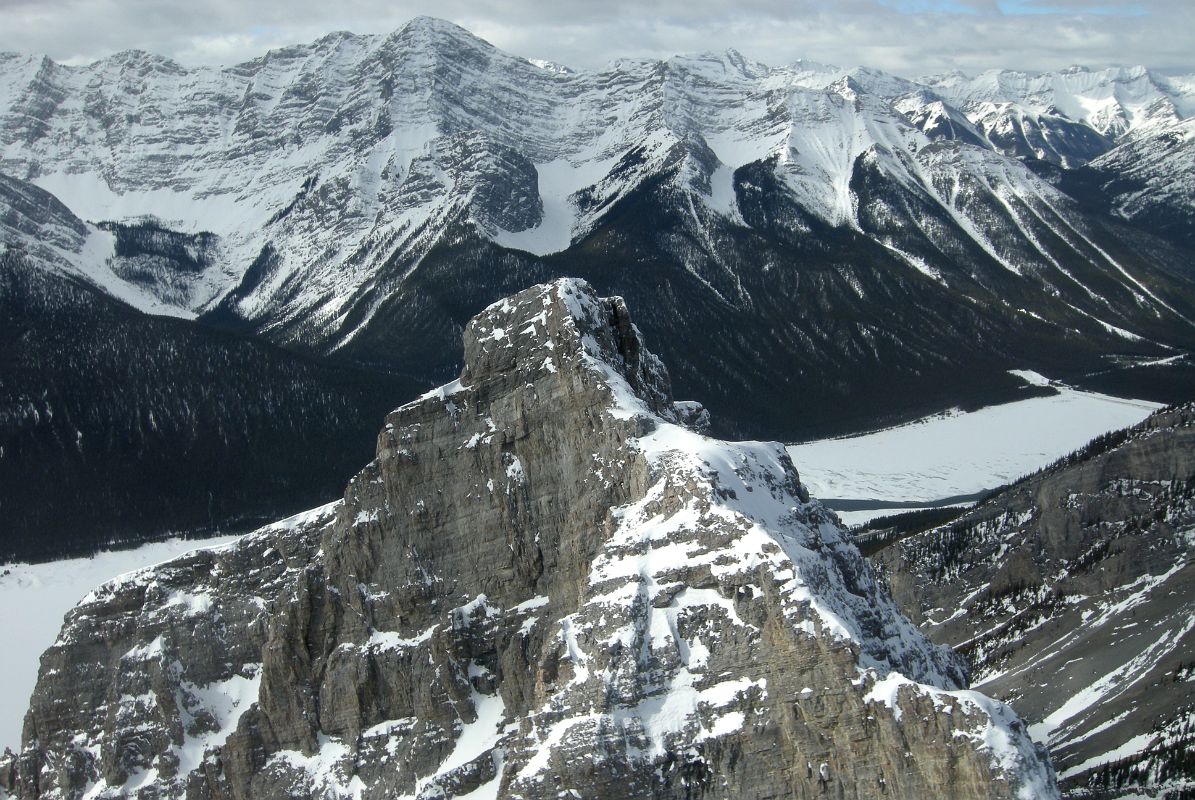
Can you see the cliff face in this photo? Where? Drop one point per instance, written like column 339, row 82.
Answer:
column 1072, row 594
column 548, row 583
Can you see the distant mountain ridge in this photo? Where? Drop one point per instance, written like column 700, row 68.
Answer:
column 872, row 244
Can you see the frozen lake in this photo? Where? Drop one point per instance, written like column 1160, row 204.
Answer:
column 956, row 454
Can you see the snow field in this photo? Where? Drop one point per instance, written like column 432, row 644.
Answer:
column 957, row 453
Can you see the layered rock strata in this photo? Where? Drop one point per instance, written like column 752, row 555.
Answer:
column 546, row 584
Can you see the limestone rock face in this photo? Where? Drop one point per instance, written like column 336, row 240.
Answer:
column 544, row 585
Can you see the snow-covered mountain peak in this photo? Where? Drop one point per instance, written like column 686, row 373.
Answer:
column 846, row 87
column 808, row 69
column 1112, row 100
column 441, row 35
column 746, row 65
column 551, row 66
column 425, row 25
column 330, row 173
column 142, row 61
column 566, row 326
column 287, row 60
column 882, row 83
column 728, row 64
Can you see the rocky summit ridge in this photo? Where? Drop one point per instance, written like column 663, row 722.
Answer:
column 548, row 583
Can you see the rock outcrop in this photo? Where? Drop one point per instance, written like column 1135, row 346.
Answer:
column 1072, row 594
column 545, row 585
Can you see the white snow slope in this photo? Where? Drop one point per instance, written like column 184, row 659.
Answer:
column 35, row 597
column 960, row 453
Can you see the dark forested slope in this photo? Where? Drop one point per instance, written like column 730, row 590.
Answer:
column 116, row 425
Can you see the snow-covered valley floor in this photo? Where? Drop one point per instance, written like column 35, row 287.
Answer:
column 953, row 455
column 35, row 597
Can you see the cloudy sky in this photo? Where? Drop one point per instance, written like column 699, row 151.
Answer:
column 909, row 37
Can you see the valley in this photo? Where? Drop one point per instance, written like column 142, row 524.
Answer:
column 958, row 455
column 466, row 377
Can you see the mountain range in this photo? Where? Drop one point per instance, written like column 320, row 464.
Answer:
column 815, row 249
column 550, row 580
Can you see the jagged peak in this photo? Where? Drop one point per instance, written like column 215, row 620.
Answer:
column 846, row 87
column 725, row 62
column 338, row 39
column 551, row 66
column 565, row 325
column 878, row 82
column 426, row 23
column 536, row 582
column 123, row 59
column 950, row 74
column 137, row 57
column 807, row 65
